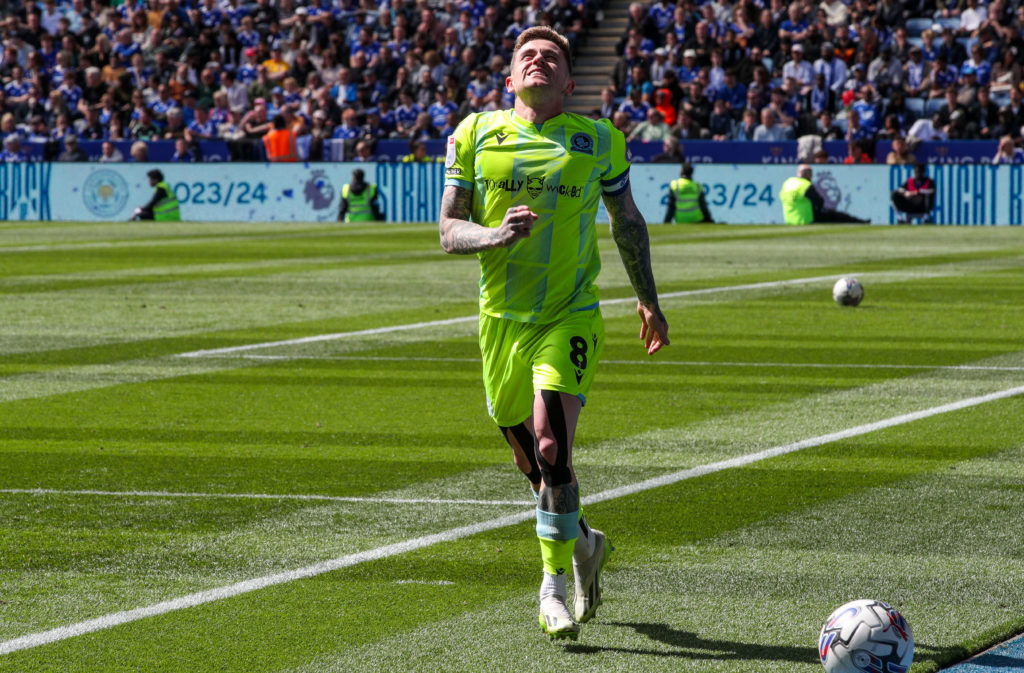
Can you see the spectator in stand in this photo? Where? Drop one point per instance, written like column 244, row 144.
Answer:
column 72, row 152
column 183, row 152
column 836, row 12
column 885, row 72
column 663, row 104
column 608, row 103
column 916, row 74
column 820, row 97
column 794, row 26
column 827, row 128
column 641, row 20
column 832, row 69
column 1008, row 152
column 927, row 129
column 732, row 92
column 688, row 71
column 1006, row 125
column 943, row 76
column 953, row 51
column 652, row 129
column 702, row 44
column 109, row 153
column 855, row 131
column 202, row 127
column 686, row 128
column 660, row 65
column 176, row 127
column 799, row 69
column 899, row 154
column 671, row 152
column 868, row 112
column 635, row 107
column 349, row 127
column 746, row 128
column 441, row 108
column 769, row 131
column 13, row 152
column 971, row 18
column 721, row 122
column 976, row 65
column 856, row 153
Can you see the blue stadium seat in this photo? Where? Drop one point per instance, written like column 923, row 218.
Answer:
column 917, row 26
column 915, row 42
column 915, row 106
column 934, row 105
column 767, row 62
column 952, row 22
column 967, row 43
column 841, row 123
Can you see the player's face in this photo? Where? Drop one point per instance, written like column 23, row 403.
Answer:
column 540, row 64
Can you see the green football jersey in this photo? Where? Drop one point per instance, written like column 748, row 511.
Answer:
column 560, row 171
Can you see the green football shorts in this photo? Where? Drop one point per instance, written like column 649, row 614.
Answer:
column 521, row 358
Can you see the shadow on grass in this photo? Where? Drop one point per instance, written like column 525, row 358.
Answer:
column 691, row 646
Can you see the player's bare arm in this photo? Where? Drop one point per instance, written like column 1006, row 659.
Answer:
column 459, row 236
column 629, row 230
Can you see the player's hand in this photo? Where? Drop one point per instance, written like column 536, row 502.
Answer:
column 653, row 328
column 517, row 224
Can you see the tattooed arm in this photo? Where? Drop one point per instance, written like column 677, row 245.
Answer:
column 629, row 230
column 460, row 236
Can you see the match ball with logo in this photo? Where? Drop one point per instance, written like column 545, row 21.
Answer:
column 848, row 291
column 866, row 636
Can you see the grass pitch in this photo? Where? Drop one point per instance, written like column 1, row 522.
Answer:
column 282, row 428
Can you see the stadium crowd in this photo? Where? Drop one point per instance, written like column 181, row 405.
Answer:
column 358, row 71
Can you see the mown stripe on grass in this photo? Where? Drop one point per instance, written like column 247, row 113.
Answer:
column 203, row 597
column 259, row 496
column 473, row 318
column 655, row 363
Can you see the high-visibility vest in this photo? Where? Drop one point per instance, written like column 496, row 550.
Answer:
column 280, row 144
column 411, row 159
column 796, row 208
column 166, row 209
column 359, row 208
column 687, row 193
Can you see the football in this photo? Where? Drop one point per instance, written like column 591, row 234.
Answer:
column 848, row 291
column 866, row 636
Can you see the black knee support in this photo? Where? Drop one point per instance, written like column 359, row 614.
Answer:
column 558, row 474
column 528, row 444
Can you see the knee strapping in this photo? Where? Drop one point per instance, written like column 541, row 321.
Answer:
column 528, row 445
column 557, row 474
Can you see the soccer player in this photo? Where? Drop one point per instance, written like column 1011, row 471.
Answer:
column 522, row 191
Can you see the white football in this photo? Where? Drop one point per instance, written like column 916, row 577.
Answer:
column 848, row 291
column 866, row 636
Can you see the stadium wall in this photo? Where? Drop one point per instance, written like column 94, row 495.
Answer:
column 737, row 193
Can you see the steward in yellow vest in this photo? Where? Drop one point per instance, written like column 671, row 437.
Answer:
column 802, row 204
column 359, row 200
column 163, row 207
column 686, row 200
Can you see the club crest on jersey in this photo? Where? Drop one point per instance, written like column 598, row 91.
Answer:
column 449, row 157
column 534, row 185
column 582, row 143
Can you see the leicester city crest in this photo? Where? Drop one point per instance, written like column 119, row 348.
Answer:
column 105, row 193
column 534, row 185
column 581, row 142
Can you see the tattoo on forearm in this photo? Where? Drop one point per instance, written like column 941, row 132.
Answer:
column 629, row 229
column 458, row 234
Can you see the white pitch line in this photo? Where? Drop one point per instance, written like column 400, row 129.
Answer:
column 220, row 593
column 655, row 363
column 259, row 496
column 473, row 318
